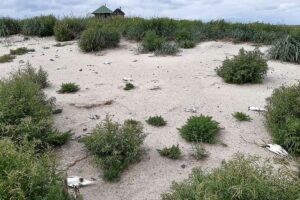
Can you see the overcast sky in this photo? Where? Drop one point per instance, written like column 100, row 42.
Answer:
column 272, row 11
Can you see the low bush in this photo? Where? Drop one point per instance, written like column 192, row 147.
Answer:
column 286, row 49
column 95, row 39
column 26, row 175
column 283, row 117
column 152, row 42
column 199, row 152
column 187, row 44
column 166, row 49
column 239, row 178
column 156, row 121
column 7, row 58
column 129, row 86
column 25, row 110
column 69, row 29
column 69, row 88
column 173, row 152
column 41, row 26
column 247, row 67
column 240, row 116
column 115, row 146
column 200, row 129
column 20, row 51
column 9, row 27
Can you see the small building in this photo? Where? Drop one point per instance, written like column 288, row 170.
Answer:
column 105, row 12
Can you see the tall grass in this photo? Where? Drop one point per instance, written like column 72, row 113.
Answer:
column 9, row 26
column 41, row 26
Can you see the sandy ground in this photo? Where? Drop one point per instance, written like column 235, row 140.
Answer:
column 186, row 81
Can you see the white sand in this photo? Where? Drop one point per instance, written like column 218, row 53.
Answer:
column 187, row 80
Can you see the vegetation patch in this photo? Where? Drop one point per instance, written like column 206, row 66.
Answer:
column 239, row 178
column 200, row 129
column 69, row 88
column 9, row 27
column 283, row 117
column 7, row 58
column 20, row 51
column 41, row 26
column 167, row 49
column 173, row 152
column 129, row 86
column 240, row 116
column 152, row 42
column 69, row 29
column 199, row 152
column 156, row 121
column 115, row 146
column 247, row 67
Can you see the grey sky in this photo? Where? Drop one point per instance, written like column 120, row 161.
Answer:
column 273, row 11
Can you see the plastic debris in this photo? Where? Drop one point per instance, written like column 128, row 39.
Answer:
column 127, row 79
column 277, row 149
column 106, row 63
column 193, row 109
column 94, row 117
column 77, row 181
column 253, row 108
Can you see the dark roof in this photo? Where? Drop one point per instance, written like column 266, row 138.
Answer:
column 102, row 10
column 119, row 11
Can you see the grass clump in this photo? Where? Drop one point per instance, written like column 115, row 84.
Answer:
column 7, row 58
column 246, row 67
column 21, row 51
column 95, row 39
column 187, row 44
column 68, row 29
column 173, row 152
column 129, row 86
column 199, row 152
column 200, row 129
column 26, row 112
column 239, row 178
column 41, row 26
column 286, row 49
column 167, row 49
column 69, row 88
column 27, row 175
column 9, row 27
column 156, row 121
column 240, row 116
column 283, row 117
column 115, row 146
column 152, row 42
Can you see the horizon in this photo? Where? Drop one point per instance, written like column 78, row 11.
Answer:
column 280, row 12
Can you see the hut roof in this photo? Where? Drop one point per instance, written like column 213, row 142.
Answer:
column 119, row 11
column 102, row 10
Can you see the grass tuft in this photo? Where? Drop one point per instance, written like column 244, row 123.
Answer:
column 156, row 121
column 20, row 51
column 7, row 58
column 240, row 116
column 69, row 88
column 129, row 86
column 199, row 152
column 173, row 152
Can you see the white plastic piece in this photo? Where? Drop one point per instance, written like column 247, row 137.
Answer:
column 106, row 63
column 193, row 109
column 77, row 181
column 277, row 149
column 252, row 108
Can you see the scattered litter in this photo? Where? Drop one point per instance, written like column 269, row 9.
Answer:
column 193, row 109
column 106, row 63
column 93, row 117
column 252, row 108
column 92, row 105
column 277, row 149
column 156, row 88
column 77, row 181
column 127, row 79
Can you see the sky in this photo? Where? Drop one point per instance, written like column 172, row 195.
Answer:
column 270, row 11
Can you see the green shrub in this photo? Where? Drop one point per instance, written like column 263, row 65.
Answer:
column 200, row 129
column 7, row 58
column 25, row 175
column 239, row 178
column 115, row 146
column 69, row 88
column 156, row 121
column 286, row 49
column 152, row 42
column 68, row 29
column 166, row 49
column 25, row 111
column 95, row 39
column 41, row 26
column 247, row 67
column 283, row 117
column 20, row 51
column 187, row 44
column 9, row 27
column 240, row 116
column 183, row 35
column 129, row 86
column 199, row 152
column 173, row 152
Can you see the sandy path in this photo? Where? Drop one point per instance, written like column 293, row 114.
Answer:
column 187, row 80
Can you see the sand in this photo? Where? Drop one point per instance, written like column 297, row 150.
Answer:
column 186, row 81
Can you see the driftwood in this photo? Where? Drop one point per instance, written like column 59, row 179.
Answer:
column 92, row 105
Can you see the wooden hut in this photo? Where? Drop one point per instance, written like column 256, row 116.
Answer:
column 119, row 12
column 103, row 12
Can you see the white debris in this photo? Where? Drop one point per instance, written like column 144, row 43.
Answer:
column 93, row 116
column 127, row 79
column 252, row 108
column 277, row 149
column 76, row 181
column 193, row 109
column 106, row 63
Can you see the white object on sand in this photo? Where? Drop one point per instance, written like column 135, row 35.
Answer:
column 193, row 109
column 127, row 79
column 252, row 108
column 106, row 63
column 77, row 181
column 277, row 149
